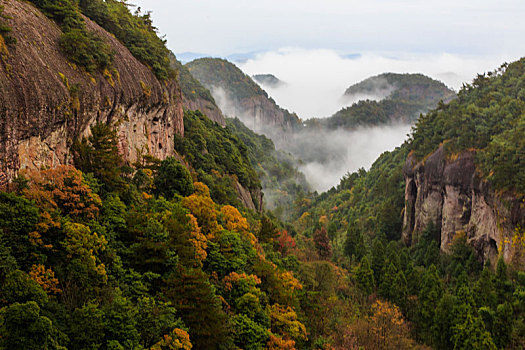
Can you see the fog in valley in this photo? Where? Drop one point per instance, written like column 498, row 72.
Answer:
column 316, row 79
column 328, row 155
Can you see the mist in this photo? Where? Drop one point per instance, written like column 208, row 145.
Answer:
column 317, row 79
column 328, row 155
column 315, row 83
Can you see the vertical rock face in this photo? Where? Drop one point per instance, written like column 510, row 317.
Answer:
column 46, row 101
column 450, row 194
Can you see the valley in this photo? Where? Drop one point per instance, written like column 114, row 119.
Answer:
column 147, row 203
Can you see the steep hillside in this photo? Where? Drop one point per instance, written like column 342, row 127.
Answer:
column 194, row 95
column 238, row 95
column 278, row 171
column 220, row 160
column 46, row 101
column 465, row 172
column 400, row 98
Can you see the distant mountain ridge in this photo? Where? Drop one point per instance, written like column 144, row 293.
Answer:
column 269, row 80
column 239, row 96
column 387, row 98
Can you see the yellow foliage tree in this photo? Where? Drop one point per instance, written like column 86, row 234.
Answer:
column 202, row 207
column 284, row 322
column 234, row 221
column 198, row 240
column 179, row 339
column 81, row 243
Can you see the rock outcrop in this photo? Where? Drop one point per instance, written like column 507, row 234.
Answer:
column 450, row 193
column 208, row 108
column 46, row 101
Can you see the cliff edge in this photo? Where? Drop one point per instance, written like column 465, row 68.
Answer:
column 46, row 101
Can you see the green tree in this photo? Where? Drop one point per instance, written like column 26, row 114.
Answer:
column 173, row 178
column 18, row 287
column 472, row 335
column 249, row 334
column 354, row 244
column 199, row 307
column 99, row 154
column 378, row 258
column 365, row 276
column 430, row 293
column 18, row 218
column 444, row 321
column 22, row 326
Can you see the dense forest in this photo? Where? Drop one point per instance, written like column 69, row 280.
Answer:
column 181, row 253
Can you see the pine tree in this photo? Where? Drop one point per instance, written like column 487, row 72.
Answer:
column 429, row 296
column 365, row 276
column 444, row 319
column 385, row 289
column 99, row 154
column 471, row 334
column 199, row 307
column 378, row 258
column 354, row 244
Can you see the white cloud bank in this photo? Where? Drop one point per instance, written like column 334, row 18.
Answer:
column 316, row 79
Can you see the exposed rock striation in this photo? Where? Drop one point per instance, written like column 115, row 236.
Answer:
column 451, row 194
column 46, row 102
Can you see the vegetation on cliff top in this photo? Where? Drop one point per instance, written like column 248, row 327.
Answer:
column 191, row 87
column 90, row 51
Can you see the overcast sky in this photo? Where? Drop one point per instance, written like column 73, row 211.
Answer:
column 223, row 27
column 309, row 43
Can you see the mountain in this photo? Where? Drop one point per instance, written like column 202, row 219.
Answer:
column 269, row 80
column 48, row 99
column 238, row 95
column 465, row 171
column 388, row 98
column 194, row 95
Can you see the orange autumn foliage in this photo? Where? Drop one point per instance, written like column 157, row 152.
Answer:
column 179, row 339
column 235, row 277
column 45, row 278
column 198, row 240
column 62, row 188
column 277, row 343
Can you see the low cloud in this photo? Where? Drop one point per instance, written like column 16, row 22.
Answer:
column 317, row 79
column 329, row 154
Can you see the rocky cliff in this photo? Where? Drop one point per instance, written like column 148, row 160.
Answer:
column 449, row 192
column 46, row 102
